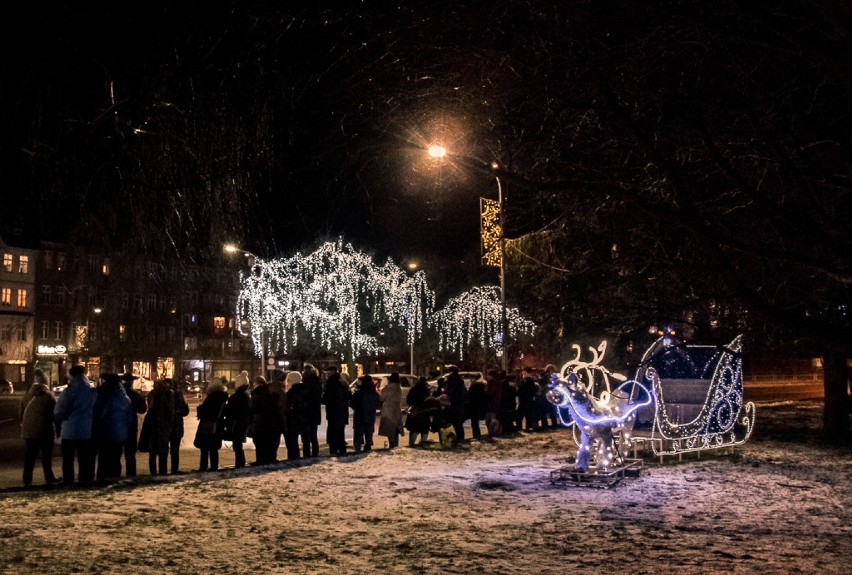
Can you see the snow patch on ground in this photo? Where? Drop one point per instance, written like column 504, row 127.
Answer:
column 778, row 504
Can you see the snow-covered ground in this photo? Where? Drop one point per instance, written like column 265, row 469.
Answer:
column 779, row 504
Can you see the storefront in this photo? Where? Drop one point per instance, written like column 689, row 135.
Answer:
column 52, row 360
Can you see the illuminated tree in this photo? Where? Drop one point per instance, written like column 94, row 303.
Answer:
column 474, row 318
column 325, row 295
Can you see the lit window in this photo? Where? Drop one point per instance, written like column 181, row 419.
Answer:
column 122, row 332
column 23, row 264
column 105, row 267
column 6, row 296
column 7, row 262
column 22, row 298
column 219, row 322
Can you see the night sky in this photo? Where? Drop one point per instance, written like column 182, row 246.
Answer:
column 273, row 126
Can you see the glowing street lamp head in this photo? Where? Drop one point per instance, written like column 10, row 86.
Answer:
column 230, row 248
column 437, row 151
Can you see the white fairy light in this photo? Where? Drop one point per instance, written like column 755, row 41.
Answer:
column 322, row 295
column 474, row 317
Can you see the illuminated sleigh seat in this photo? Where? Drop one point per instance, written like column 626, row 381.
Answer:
column 697, row 397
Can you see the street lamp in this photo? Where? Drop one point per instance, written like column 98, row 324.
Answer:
column 439, row 152
column 252, row 261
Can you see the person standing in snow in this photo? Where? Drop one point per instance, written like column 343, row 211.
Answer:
column 419, row 419
column 37, row 428
column 493, row 404
column 477, row 402
column 208, row 438
column 296, row 402
column 237, row 417
column 138, row 406
column 336, row 397
column 390, row 418
column 457, row 411
column 157, row 427
column 268, row 407
column 73, row 414
column 176, row 434
column 112, row 413
column 364, row 403
column 313, row 407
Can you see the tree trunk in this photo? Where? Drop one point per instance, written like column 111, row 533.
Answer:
column 836, row 410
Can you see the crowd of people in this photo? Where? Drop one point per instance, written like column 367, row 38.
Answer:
column 98, row 425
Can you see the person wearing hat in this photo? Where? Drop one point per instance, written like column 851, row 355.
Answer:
column 110, row 422
column 294, row 421
column 336, row 398
column 138, row 406
column 313, row 409
column 37, row 428
column 238, row 413
column 73, row 415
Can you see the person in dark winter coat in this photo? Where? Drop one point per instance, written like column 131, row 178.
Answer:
column 157, row 427
column 111, row 420
column 336, row 398
column 313, row 407
column 138, row 406
column 527, row 390
column 37, row 428
column 208, row 438
column 508, row 409
column 457, row 412
column 268, row 413
column 390, row 418
column 550, row 417
column 237, row 418
column 477, row 402
column 364, row 403
column 176, row 435
column 295, row 422
column 419, row 420
column 73, row 414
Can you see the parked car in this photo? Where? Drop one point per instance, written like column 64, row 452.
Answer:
column 468, row 376
column 406, row 382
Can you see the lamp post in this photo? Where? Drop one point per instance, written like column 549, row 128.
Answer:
column 252, row 261
column 412, row 266
column 439, row 152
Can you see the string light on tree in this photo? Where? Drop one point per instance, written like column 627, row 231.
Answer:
column 321, row 295
column 475, row 317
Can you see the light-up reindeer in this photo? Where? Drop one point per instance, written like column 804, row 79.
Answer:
column 605, row 421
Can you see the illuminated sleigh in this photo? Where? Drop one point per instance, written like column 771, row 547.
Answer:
column 687, row 397
column 697, row 397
